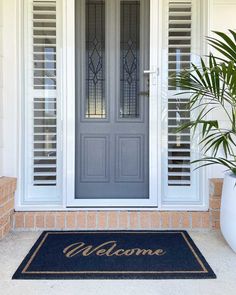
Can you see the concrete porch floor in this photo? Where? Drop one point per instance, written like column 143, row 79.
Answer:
column 221, row 258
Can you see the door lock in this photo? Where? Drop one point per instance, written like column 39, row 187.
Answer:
column 146, row 91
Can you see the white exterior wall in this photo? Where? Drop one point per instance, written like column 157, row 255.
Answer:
column 223, row 18
column 1, row 85
column 9, row 93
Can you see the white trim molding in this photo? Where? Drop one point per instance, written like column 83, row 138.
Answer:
column 69, row 125
column 180, row 189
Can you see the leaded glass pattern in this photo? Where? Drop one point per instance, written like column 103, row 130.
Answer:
column 129, row 58
column 95, row 59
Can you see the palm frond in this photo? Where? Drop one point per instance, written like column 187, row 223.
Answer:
column 212, row 85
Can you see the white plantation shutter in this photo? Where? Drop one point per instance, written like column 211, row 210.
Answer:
column 181, row 182
column 179, row 58
column 43, row 101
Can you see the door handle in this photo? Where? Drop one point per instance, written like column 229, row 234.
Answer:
column 155, row 71
column 149, row 72
column 153, row 75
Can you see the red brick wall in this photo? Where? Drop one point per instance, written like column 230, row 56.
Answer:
column 214, row 201
column 111, row 220
column 124, row 219
column 7, row 190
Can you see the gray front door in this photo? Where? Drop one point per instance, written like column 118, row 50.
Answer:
column 112, row 114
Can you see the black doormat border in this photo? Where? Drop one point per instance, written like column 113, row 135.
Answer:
column 23, row 274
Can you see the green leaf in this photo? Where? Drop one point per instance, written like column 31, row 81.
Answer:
column 212, row 85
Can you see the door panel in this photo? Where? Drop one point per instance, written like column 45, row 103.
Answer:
column 112, row 112
column 129, row 149
column 94, row 166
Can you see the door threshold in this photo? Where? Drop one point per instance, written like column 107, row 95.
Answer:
column 113, row 208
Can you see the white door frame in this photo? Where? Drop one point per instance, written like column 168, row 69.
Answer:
column 68, row 109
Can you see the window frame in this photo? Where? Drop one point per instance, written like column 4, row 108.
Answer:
column 200, row 11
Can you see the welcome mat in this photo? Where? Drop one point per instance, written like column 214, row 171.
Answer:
column 114, row 255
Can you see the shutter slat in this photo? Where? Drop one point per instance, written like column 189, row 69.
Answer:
column 45, row 174
column 44, row 182
column 178, row 46
column 170, row 38
column 178, row 30
column 176, row 134
column 45, row 166
column 178, row 166
column 44, row 12
column 176, row 158
column 178, row 150
column 44, row 150
column 42, row 20
column 44, row 29
column 179, row 173
column 179, row 182
column 44, row 36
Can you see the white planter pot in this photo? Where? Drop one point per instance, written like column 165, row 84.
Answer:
column 228, row 210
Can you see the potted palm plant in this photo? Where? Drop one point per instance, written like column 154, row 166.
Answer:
column 212, row 86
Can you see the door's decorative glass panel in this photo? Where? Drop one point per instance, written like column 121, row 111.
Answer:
column 129, row 58
column 95, row 59
column 44, row 139
column 179, row 58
